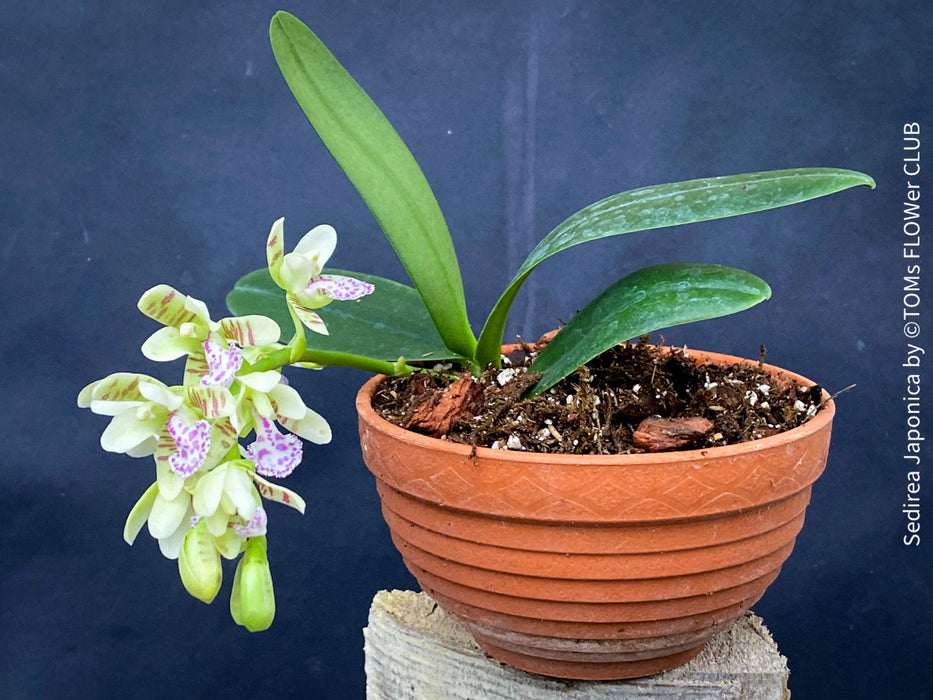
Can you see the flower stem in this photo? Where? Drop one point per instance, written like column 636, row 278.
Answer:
column 346, row 359
column 274, row 360
column 328, row 358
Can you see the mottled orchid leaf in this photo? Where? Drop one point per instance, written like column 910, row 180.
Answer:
column 650, row 299
column 660, row 206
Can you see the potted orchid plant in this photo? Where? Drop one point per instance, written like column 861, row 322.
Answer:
column 223, row 437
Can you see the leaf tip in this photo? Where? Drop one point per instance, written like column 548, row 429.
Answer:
column 281, row 16
column 862, row 179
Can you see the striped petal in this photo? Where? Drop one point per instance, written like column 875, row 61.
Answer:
column 195, row 367
column 120, row 386
column 248, row 331
column 308, row 317
column 287, row 402
column 275, row 250
column 312, row 427
column 279, row 494
column 213, row 401
column 166, row 305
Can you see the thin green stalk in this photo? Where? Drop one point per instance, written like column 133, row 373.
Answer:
column 330, row 358
column 274, row 360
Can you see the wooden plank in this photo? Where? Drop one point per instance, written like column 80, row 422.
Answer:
column 415, row 651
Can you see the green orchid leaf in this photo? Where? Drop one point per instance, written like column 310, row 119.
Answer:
column 383, row 171
column 388, row 324
column 652, row 298
column 668, row 205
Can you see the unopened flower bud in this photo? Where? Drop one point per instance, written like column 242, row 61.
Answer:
column 252, row 601
column 199, row 564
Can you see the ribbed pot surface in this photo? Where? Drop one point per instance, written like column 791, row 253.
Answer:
column 594, row 567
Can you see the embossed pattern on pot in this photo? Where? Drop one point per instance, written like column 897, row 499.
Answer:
column 596, row 567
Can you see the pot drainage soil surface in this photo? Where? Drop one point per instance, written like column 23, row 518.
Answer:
column 633, row 398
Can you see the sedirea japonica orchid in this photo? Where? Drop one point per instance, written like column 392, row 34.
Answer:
column 206, row 501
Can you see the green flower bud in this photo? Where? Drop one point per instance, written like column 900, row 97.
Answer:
column 199, row 564
column 252, row 601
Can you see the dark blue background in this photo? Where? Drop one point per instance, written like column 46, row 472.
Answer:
column 156, row 142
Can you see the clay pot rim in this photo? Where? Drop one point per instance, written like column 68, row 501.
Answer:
column 825, row 416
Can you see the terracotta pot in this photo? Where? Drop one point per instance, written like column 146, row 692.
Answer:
column 594, row 567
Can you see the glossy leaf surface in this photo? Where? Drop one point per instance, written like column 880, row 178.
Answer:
column 672, row 204
column 382, row 169
column 387, row 324
column 652, row 298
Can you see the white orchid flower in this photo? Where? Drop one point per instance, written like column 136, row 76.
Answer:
column 263, row 399
column 213, row 347
column 300, row 273
column 140, row 406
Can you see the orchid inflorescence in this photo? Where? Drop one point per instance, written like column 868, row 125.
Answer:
column 206, row 501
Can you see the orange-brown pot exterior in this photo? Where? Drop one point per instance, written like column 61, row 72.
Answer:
column 594, row 567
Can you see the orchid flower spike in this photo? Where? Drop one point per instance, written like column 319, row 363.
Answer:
column 301, row 273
